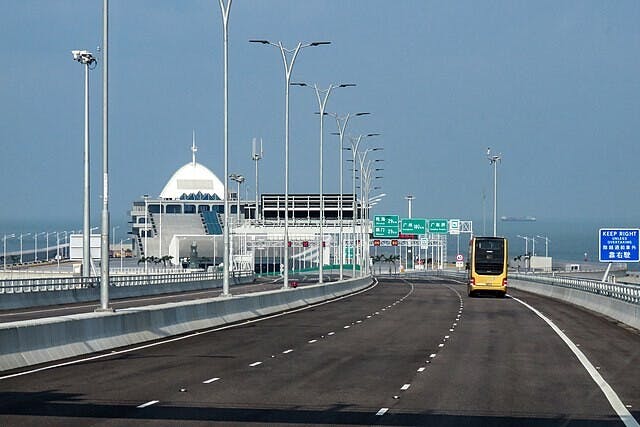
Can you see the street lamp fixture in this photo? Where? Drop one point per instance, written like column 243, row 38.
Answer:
column 288, row 69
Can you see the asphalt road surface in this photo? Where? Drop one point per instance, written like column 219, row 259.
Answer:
column 399, row 353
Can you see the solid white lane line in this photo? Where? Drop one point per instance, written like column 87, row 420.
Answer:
column 405, row 387
column 209, row 381
column 382, row 411
column 312, row 341
column 610, row 394
column 421, row 369
column 255, row 364
column 287, row 351
column 144, row 405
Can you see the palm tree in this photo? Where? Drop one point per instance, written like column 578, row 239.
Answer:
column 166, row 258
column 392, row 259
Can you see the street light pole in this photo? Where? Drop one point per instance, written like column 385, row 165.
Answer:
column 4, row 241
column 288, row 68
column 146, row 230
column 104, row 235
column 88, row 60
column 494, row 159
column 342, row 125
column 225, row 9
column 409, row 199
column 21, row 235
column 355, row 142
column 322, row 103
column 256, row 156
column 546, row 245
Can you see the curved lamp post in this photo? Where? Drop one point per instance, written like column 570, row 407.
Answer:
column 322, row 103
column 288, row 69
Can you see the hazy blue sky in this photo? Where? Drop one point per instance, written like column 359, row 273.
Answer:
column 552, row 85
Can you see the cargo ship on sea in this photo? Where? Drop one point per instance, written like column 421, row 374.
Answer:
column 518, row 218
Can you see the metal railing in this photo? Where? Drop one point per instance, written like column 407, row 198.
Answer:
column 623, row 292
column 50, row 284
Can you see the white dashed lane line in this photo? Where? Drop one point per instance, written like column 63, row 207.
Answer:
column 405, row 387
column 331, row 333
column 382, row 411
column 287, row 351
column 209, row 381
column 144, row 405
column 312, row 341
column 421, row 369
column 255, row 364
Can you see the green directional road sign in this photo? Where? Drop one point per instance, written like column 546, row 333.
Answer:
column 413, row 226
column 385, row 226
column 438, row 226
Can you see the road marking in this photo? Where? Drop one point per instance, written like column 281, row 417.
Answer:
column 446, row 337
column 421, row 369
column 144, row 405
column 610, row 394
column 368, row 317
column 359, row 321
column 382, row 411
column 184, row 337
column 432, row 355
column 451, row 330
column 209, row 381
column 405, row 387
column 331, row 333
column 255, row 364
column 287, row 351
column 312, row 341
column 347, row 327
column 440, row 345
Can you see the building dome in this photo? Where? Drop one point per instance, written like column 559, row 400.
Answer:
column 193, row 179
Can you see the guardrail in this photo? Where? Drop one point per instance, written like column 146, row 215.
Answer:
column 622, row 292
column 52, row 284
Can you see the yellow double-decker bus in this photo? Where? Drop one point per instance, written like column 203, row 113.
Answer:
column 487, row 268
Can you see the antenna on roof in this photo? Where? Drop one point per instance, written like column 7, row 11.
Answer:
column 193, row 148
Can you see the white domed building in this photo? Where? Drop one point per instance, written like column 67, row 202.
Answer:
column 188, row 211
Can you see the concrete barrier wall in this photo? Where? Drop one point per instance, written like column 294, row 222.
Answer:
column 624, row 312
column 31, row 342
column 17, row 300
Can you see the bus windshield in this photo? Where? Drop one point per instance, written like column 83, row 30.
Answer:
column 489, row 256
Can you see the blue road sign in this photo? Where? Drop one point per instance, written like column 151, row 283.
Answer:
column 619, row 245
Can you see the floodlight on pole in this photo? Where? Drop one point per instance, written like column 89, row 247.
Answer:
column 288, row 69
column 89, row 61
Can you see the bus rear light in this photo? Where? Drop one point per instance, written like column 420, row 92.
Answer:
column 472, row 281
column 504, row 282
